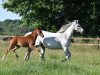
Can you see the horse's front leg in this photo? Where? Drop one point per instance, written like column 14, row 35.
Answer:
column 27, row 55
column 42, row 51
column 67, row 53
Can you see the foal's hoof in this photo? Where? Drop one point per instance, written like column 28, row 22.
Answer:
column 17, row 56
column 26, row 59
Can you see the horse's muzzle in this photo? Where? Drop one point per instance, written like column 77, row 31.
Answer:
column 81, row 31
column 42, row 36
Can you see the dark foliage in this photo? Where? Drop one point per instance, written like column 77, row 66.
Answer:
column 51, row 14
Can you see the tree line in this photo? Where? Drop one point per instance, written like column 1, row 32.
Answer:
column 13, row 27
column 51, row 14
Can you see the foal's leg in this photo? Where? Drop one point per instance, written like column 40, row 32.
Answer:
column 5, row 54
column 42, row 51
column 29, row 53
column 7, row 50
column 14, row 50
column 27, row 56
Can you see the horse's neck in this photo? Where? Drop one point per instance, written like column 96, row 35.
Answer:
column 33, row 35
column 68, row 33
column 63, row 28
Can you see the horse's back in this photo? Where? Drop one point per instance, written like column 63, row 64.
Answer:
column 27, row 33
column 50, row 34
column 19, row 40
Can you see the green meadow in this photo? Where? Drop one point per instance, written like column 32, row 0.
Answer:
column 85, row 60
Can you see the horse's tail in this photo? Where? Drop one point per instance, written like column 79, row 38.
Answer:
column 7, row 38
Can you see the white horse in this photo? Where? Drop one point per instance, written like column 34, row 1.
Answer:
column 58, row 40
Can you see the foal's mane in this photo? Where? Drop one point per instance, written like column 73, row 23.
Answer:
column 34, row 30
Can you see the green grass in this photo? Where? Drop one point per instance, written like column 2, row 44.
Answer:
column 84, row 61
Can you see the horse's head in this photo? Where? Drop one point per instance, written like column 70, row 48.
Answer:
column 39, row 32
column 77, row 26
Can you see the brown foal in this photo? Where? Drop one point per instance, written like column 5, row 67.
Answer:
column 24, row 41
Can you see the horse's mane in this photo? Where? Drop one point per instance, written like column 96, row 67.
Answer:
column 63, row 28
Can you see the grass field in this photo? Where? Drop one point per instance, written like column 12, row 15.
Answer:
column 84, row 61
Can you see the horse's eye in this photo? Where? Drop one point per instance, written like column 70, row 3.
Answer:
column 78, row 26
column 40, row 31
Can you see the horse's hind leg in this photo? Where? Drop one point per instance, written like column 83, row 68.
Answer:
column 5, row 54
column 14, row 50
column 9, row 48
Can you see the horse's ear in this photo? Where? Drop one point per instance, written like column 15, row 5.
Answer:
column 76, row 21
column 38, row 27
column 69, row 21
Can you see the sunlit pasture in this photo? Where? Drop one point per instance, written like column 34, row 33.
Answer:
column 85, row 60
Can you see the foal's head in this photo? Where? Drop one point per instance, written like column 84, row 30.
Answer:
column 39, row 32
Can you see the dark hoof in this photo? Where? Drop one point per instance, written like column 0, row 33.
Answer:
column 64, row 60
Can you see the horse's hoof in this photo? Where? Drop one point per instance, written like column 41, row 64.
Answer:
column 64, row 60
column 17, row 56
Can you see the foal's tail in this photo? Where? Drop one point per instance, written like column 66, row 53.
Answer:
column 7, row 38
